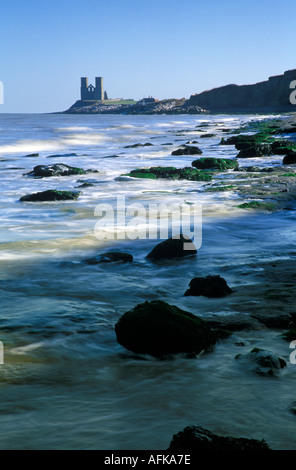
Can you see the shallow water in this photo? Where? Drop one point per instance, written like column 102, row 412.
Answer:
column 66, row 382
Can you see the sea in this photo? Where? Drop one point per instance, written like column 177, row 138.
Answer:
column 65, row 381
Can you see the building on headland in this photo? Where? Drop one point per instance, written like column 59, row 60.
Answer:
column 90, row 92
column 145, row 101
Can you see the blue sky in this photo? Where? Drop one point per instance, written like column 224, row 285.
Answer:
column 163, row 48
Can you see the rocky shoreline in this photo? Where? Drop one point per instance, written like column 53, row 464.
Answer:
column 160, row 329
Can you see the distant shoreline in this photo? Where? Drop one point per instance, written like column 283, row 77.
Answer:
column 275, row 95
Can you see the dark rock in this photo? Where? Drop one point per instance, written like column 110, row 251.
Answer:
column 32, row 155
column 244, row 145
column 210, row 286
column 290, row 159
column 51, row 195
column 187, row 150
column 195, row 438
column 242, row 140
column 159, row 329
column 290, row 335
column 257, row 150
column 86, row 185
column 207, row 135
column 133, row 146
column 57, row 169
column 173, row 248
column 63, row 155
column 171, row 172
column 251, row 169
column 111, row 257
column 288, row 130
column 282, row 147
column 262, row 362
column 215, row 163
column 293, row 407
column 278, row 320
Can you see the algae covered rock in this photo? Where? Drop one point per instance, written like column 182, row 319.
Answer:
column 171, row 172
column 51, row 195
column 210, row 286
column 196, row 438
column 261, row 205
column 215, row 163
column 283, row 147
column 244, row 141
column 159, row 329
column 174, row 247
column 57, row 169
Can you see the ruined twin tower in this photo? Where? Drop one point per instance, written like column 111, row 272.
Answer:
column 90, row 92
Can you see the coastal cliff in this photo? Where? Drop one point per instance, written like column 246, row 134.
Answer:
column 268, row 96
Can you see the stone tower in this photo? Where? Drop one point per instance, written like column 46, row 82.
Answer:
column 99, row 89
column 91, row 93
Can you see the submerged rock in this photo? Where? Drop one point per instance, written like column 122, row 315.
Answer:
column 233, row 322
column 133, row 146
column 111, row 257
column 51, row 195
column 159, row 329
column 57, row 169
column 196, row 438
column 207, row 135
column 173, row 248
column 187, row 150
column 262, row 362
column 210, row 286
column 215, row 163
column 171, row 172
column 63, row 155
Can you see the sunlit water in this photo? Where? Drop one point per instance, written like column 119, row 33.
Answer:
column 66, row 383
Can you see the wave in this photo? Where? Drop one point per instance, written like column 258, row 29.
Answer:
column 49, row 145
